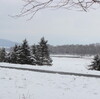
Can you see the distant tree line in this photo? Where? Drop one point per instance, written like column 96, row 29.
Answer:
column 91, row 49
column 23, row 54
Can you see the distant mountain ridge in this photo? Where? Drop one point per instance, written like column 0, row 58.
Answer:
column 7, row 43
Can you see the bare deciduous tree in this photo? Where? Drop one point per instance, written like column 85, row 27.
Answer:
column 33, row 6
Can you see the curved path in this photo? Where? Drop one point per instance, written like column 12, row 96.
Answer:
column 53, row 72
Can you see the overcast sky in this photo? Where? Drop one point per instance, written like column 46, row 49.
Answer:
column 57, row 26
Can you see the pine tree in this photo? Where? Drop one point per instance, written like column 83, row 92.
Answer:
column 13, row 56
column 34, row 53
column 2, row 55
column 95, row 64
column 43, row 56
column 24, row 56
column 38, row 55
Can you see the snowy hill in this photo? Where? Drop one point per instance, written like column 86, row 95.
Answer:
column 6, row 43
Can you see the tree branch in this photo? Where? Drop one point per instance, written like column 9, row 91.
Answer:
column 31, row 7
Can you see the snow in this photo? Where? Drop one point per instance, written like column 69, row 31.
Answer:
column 77, row 65
column 19, row 84
column 15, row 84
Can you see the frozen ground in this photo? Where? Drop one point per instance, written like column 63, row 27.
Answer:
column 15, row 84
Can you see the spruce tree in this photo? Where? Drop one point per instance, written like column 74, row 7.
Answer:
column 13, row 57
column 2, row 55
column 34, row 53
column 24, row 56
column 43, row 56
column 95, row 63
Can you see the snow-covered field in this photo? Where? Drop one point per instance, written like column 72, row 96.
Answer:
column 15, row 84
column 77, row 65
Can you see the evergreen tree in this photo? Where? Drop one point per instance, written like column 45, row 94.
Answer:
column 8, row 57
column 96, row 63
column 38, row 54
column 43, row 56
column 2, row 55
column 13, row 56
column 34, row 53
column 24, row 56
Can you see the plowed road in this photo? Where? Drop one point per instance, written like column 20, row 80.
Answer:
column 52, row 72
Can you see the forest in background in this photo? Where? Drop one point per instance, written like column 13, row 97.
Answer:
column 78, row 49
column 91, row 49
